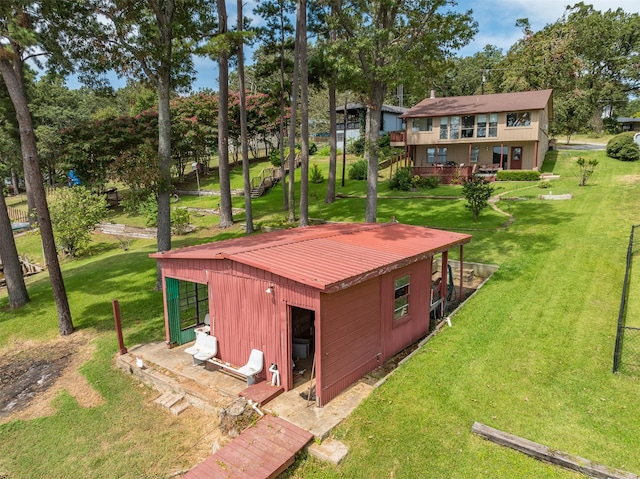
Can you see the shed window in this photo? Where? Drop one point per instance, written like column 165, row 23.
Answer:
column 401, row 297
column 194, row 303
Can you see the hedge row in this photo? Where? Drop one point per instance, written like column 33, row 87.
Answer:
column 518, row 175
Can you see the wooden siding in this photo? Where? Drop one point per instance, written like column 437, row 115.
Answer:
column 349, row 337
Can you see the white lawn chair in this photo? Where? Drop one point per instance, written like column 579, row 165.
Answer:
column 205, row 348
column 254, row 366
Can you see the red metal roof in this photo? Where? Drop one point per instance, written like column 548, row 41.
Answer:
column 475, row 104
column 328, row 257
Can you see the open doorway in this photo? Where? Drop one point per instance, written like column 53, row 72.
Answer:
column 302, row 345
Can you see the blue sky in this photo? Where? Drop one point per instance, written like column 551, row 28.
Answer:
column 496, row 26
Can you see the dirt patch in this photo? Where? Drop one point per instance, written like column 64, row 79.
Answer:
column 33, row 374
column 630, row 179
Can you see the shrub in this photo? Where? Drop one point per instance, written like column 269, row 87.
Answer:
column 586, row 169
column 356, row 147
column 313, row 148
column 179, row 220
column 518, row 175
column 316, row 174
column 74, row 213
column 477, row 192
column 402, row 180
column 358, row 170
column 623, row 148
column 326, row 151
column 544, row 184
column 430, row 181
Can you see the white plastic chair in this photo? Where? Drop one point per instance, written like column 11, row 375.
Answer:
column 254, row 365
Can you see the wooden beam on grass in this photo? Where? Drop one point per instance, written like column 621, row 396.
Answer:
column 543, row 453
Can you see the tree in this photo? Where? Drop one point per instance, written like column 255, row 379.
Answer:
column 277, row 41
column 477, row 192
column 382, row 44
column 11, row 268
column 304, row 114
column 152, row 41
column 588, row 57
column 29, row 30
column 470, row 75
column 243, row 125
column 294, row 118
column 586, row 169
column 74, row 213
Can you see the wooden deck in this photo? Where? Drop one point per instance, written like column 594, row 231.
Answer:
column 261, row 452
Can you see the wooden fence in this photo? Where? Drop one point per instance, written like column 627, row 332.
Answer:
column 17, row 215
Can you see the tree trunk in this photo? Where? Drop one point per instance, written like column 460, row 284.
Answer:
column 304, row 118
column 283, row 176
column 163, row 234
column 293, row 122
column 243, row 128
column 226, row 211
column 164, row 17
column 18, row 295
column 333, row 152
column 372, row 132
column 15, row 182
column 12, row 74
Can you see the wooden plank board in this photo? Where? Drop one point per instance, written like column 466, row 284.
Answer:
column 260, row 452
column 262, row 392
column 559, row 458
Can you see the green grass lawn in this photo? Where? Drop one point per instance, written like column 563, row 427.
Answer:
column 531, row 353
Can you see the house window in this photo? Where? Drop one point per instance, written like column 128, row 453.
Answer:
column 493, row 125
column 475, row 154
column 442, row 155
column 482, row 126
column 455, row 128
column 519, row 118
column 444, row 128
column 468, row 124
column 401, row 297
column 431, row 155
column 422, row 124
column 193, row 300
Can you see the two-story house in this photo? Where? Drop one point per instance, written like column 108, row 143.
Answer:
column 481, row 133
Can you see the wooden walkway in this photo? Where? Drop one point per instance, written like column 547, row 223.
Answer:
column 263, row 451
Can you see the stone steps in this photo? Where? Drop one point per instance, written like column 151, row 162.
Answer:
column 175, row 403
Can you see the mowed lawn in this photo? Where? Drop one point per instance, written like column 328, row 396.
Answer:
column 531, row 353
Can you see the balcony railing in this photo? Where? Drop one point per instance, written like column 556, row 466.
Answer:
column 397, row 137
column 448, row 174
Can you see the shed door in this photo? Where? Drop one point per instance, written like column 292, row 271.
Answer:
column 187, row 304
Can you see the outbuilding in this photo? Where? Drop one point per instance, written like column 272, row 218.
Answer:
column 348, row 295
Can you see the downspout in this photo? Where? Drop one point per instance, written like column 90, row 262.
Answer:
column 536, row 145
